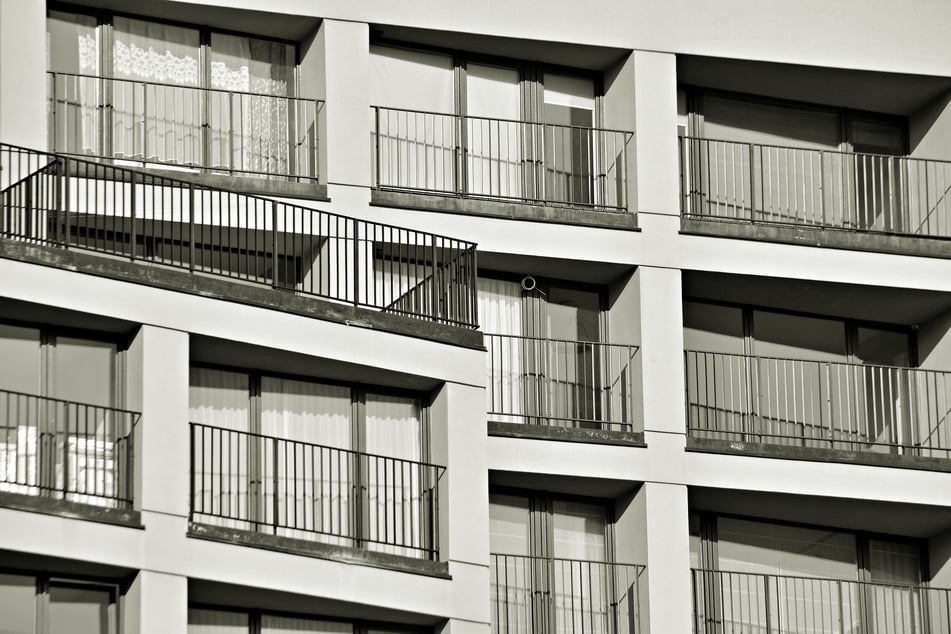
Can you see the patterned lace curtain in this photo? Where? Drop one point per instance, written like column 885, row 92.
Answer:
column 250, row 120
column 156, row 101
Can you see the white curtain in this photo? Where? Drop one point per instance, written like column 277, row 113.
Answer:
column 159, row 120
column 222, row 477
column 581, row 586
column 249, row 113
column 570, row 159
column 501, row 313
column 217, row 622
column 398, row 489
column 312, row 483
column 73, row 48
column 495, row 135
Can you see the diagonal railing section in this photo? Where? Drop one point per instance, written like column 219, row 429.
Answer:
column 66, row 202
column 500, row 159
column 539, row 595
column 820, row 404
column 729, row 180
column 561, row 383
column 738, row 602
column 222, row 131
column 316, row 492
column 66, row 450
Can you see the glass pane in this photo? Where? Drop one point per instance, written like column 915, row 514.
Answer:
column 17, row 604
column 393, row 426
column 219, row 398
column 86, row 610
column 883, row 347
column 291, row 625
column 798, row 337
column 508, row 524
column 20, row 351
column 494, row 134
column 304, row 411
column 573, row 314
column 713, row 328
column 84, row 371
column 71, row 43
column 216, row 622
column 248, row 64
column 894, row 562
column 579, row 530
column 414, row 80
column 154, row 51
column 877, row 137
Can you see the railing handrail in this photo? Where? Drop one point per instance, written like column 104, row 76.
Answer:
column 569, row 560
column 905, row 586
column 754, row 357
column 172, row 181
column 199, row 88
column 605, row 344
column 900, row 157
column 118, row 410
column 454, row 115
column 440, row 470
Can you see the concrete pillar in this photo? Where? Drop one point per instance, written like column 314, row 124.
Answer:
column 458, row 438
column 158, row 388
column 619, row 114
column 156, row 603
column 653, row 530
column 344, row 48
column 662, row 350
column 23, row 73
column 655, row 118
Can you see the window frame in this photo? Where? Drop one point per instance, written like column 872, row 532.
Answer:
column 44, row 580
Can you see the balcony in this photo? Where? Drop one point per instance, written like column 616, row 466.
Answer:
column 562, row 384
column 819, row 404
column 218, row 131
column 538, row 595
column 63, row 202
column 797, row 187
column 733, row 602
column 305, row 491
column 62, row 450
column 501, row 160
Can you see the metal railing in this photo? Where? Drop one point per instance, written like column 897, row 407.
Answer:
column 221, row 131
column 561, row 383
column 747, row 603
column 819, row 404
column 66, row 450
column 728, row 180
column 500, row 159
column 67, row 202
column 309, row 491
column 539, row 595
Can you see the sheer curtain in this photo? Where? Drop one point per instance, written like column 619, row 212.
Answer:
column 398, row 489
column 19, row 415
column 311, row 477
column 156, row 113
column 511, row 577
column 500, row 311
column 73, row 48
column 223, row 476
column 495, row 136
column 582, row 584
column 249, row 117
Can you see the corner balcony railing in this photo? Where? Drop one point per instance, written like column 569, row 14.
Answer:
column 561, row 383
column 220, row 131
column 501, row 160
column 65, row 202
column 746, row 603
column 65, row 450
column 538, row 595
column 819, row 404
column 314, row 492
column 728, row 180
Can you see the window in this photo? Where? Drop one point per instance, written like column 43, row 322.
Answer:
column 162, row 93
column 48, row 605
column 312, row 460
column 202, row 620
column 61, row 433
column 494, row 129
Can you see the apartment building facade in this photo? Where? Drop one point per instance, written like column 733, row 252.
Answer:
column 367, row 317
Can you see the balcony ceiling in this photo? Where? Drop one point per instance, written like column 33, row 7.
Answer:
column 871, row 303
column 859, row 90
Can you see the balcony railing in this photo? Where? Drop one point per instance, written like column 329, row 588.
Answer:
column 819, row 404
column 561, row 383
column 500, row 159
column 737, row 602
column 727, row 180
column 538, row 595
column 65, row 450
column 309, row 491
column 221, row 131
column 61, row 201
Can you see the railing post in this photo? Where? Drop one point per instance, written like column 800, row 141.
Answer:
column 356, row 262
column 275, row 504
column 766, row 602
column 130, row 462
column 434, row 306
column 53, row 114
column 132, row 232
column 145, row 122
column 841, row 609
column 192, row 472
column 752, row 181
column 66, row 205
column 376, row 139
column 275, row 267
column 191, row 227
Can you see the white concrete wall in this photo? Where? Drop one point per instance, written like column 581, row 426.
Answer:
column 23, row 73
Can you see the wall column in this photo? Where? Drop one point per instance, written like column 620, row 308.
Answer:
column 23, row 73
column 156, row 603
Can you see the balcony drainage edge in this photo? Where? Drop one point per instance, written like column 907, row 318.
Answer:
column 71, row 510
column 566, row 434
